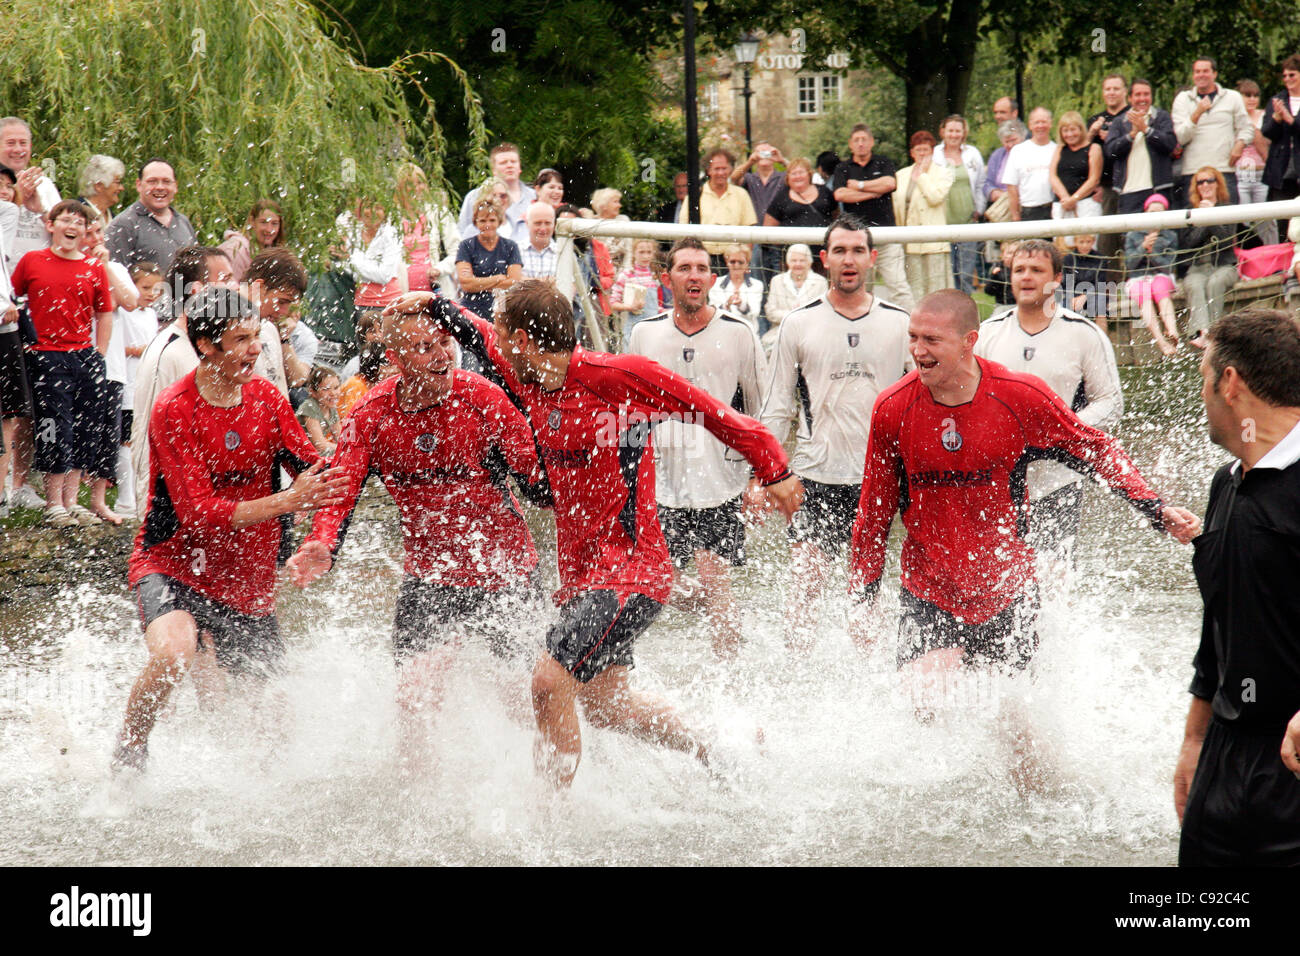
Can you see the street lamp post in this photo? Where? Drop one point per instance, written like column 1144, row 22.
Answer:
column 745, row 52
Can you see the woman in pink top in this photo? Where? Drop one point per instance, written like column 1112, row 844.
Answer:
column 263, row 230
column 1250, row 167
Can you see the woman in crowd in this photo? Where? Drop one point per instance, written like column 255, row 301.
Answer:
column 1281, row 125
column 486, row 262
column 428, row 230
column 1213, row 270
column 635, row 295
column 371, row 250
column 921, row 199
column 263, row 230
column 997, row 207
column 549, row 186
column 608, row 204
column 795, row 287
column 1075, row 170
column 319, row 411
column 1149, row 261
column 100, row 186
column 737, row 292
column 801, row 203
column 372, row 368
column 965, row 198
column 1250, row 167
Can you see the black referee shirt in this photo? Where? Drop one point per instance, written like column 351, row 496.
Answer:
column 1247, row 565
column 874, row 212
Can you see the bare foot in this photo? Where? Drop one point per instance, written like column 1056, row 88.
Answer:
column 103, row 511
column 1166, row 347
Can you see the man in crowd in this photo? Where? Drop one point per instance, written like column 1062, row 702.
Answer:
column 1028, row 170
column 1140, row 146
column 763, row 184
column 1237, row 793
column 670, row 210
column 947, row 447
column 832, row 358
column 699, row 485
column 1005, row 110
column 204, row 564
column 1114, row 94
column 721, row 204
column 864, row 185
column 1213, row 127
column 1075, row 358
column 506, row 167
column 150, row 229
column 591, row 415
column 275, row 282
column 30, row 233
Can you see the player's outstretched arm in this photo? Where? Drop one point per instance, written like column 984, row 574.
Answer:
column 317, row 487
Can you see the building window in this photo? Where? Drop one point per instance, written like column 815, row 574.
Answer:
column 708, row 105
column 818, row 93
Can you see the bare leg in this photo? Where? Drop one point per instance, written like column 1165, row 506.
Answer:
column 930, row 676
column 1025, row 764
column 54, row 495
column 558, row 748
column 809, row 566
column 206, row 675
column 23, row 449
column 1153, row 326
column 722, row 613
column 71, row 485
column 99, row 503
column 7, row 429
column 608, row 701
column 172, row 640
column 421, row 681
column 1170, row 319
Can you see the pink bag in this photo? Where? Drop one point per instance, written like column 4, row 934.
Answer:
column 1265, row 260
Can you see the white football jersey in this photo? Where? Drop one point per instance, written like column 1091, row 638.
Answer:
column 828, row 369
column 693, row 469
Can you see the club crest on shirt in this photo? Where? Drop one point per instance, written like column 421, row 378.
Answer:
column 554, row 419
column 1029, row 352
column 232, row 440
column 427, row 442
column 688, row 355
column 854, row 339
column 951, row 438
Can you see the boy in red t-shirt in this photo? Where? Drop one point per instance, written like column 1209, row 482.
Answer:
column 68, row 297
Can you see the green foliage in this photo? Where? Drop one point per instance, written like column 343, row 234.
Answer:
column 877, row 99
column 246, row 98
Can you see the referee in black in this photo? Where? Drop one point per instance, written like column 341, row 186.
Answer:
column 1237, row 784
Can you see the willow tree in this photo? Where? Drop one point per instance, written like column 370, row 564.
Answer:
column 246, row 98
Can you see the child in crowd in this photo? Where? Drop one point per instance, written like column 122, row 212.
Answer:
column 372, row 370
column 999, row 283
column 319, row 411
column 137, row 327
column 635, row 295
column 1082, row 280
column 1149, row 260
column 71, row 308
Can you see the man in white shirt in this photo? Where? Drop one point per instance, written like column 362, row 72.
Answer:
column 832, row 358
column 699, row 482
column 29, row 234
column 506, row 167
column 1075, row 358
column 1027, row 173
column 1213, row 127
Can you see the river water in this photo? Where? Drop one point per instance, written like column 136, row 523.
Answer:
column 848, row 776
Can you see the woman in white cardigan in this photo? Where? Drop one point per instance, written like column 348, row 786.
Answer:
column 737, row 292
column 968, row 168
column 792, row 289
column 921, row 200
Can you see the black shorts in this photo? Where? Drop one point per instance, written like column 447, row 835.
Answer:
column 246, row 644
column 128, row 416
column 596, row 631
column 69, row 399
column 432, row 614
column 110, row 433
column 15, row 391
column 1054, row 518
column 1243, row 808
column 1007, row 638
column 718, row 529
column 827, row 515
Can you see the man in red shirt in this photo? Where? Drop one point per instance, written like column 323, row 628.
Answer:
column 949, row 447
column 67, row 296
column 443, row 441
column 204, row 558
column 591, row 414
